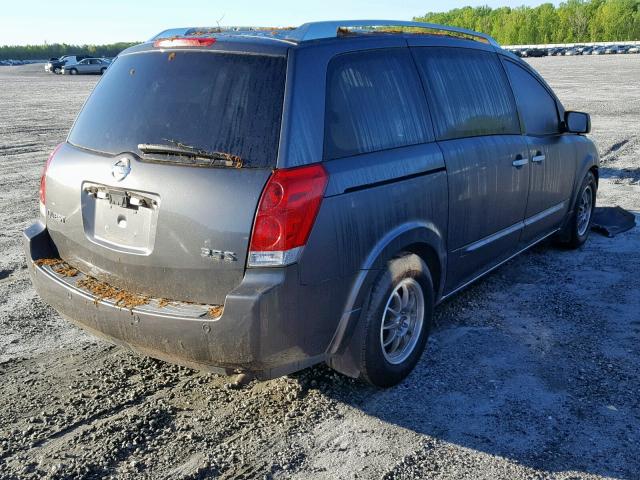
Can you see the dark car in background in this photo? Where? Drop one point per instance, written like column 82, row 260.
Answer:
column 52, row 64
column 48, row 67
column 536, row 52
column 261, row 201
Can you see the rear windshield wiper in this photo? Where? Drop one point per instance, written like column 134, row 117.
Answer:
column 181, row 153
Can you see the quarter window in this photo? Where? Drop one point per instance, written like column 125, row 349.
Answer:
column 468, row 92
column 537, row 106
column 374, row 102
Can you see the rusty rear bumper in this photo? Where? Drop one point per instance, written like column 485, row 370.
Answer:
column 253, row 335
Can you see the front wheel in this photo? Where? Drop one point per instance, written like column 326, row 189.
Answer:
column 102, row 70
column 397, row 321
column 579, row 224
column 73, row 71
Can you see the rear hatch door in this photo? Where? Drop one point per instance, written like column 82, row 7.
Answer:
column 156, row 189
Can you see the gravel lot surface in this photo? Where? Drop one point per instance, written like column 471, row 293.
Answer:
column 531, row 373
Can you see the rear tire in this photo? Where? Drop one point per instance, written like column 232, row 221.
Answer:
column 399, row 315
column 579, row 224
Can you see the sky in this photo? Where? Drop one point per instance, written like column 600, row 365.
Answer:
column 96, row 22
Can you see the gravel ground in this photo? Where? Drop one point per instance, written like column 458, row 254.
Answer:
column 533, row 372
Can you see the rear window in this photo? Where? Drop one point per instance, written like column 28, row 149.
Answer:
column 217, row 102
column 468, row 92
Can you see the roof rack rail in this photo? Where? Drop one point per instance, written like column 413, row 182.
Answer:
column 331, row 29
column 275, row 33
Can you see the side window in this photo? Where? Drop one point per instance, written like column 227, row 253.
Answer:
column 537, row 106
column 468, row 92
column 374, row 102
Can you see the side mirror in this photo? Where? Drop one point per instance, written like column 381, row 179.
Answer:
column 577, row 122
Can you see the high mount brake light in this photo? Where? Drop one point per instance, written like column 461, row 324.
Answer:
column 286, row 213
column 43, row 177
column 184, row 42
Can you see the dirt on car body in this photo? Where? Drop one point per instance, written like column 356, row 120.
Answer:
column 531, row 373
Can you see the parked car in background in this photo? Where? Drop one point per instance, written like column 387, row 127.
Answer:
column 11, row 62
column 56, row 65
column 262, row 203
column 634, row 49
column 537, row 52
column 49, row 65
column 86, row 66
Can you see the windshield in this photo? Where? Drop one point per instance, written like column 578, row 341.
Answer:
column 219, row 102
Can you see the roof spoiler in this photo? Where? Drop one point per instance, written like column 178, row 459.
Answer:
column 331, row 29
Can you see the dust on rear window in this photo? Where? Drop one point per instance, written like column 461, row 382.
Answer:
column 218, row 102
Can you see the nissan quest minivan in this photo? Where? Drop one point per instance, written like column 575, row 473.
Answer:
column 261, row 200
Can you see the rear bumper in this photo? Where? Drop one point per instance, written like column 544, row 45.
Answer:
column 259, row 332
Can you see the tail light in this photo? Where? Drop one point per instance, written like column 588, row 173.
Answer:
column 286, row 213
column 43, row 177
column 184, row 42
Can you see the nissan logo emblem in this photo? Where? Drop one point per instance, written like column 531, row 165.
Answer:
column 121, row 169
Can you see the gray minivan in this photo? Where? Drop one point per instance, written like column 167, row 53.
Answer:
column 264, row 200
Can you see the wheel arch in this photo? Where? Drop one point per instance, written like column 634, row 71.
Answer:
column 421, row 238
column 596, row 173
column 588, row 160
column 431, row 257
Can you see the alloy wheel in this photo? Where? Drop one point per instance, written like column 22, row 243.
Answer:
column 585, row 208
column 402, row 321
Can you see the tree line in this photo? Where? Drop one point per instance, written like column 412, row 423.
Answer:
column 572, row 21
column 43, row 52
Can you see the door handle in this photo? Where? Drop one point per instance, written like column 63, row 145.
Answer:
column 520, row 162
column 538, row 159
